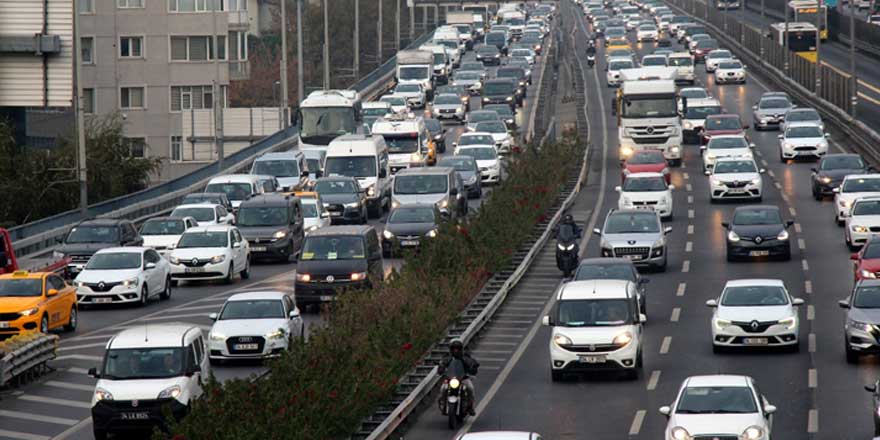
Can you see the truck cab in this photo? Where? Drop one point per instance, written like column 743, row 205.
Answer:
column 416, row 67
column 409, row 142
column 646, row 107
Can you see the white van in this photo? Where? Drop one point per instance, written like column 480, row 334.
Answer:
column 146, row 370
column 442, row 63
column 410, row 144
column 449, row 40
column 289, row 167
column 237, row 187
column 366, row 159
column 684, row 67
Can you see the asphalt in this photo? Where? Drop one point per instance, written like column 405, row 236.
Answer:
column 57, row 406
column 818, row 394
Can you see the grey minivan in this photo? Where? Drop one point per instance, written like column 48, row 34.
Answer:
column 441, row 186
column 273, row 225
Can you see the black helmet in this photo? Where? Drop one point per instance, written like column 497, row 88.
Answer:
column 456, row 348
column 568, row 218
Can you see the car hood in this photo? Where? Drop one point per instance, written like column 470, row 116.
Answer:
column 399, row 157
column 641, row 196
column 330, row 199
column 409, row 94
column 409, row 228
column 755, row 230
column 408, row 199
column 142, row 389
column 632, row 239
column 487, row 163
column 772, row 111
column 730, row 152
column 154, row 241
column 756, row 313
column 448, row 107
column 465, row 82
column 467, row 175
column 839, row 174
column 850, row 196
column 500, row 137
column 811, row 141
column 592, row 335
column 331, row 267
column 17, row 303
column 289, row 182
column 84, row 248
column 252, row 232
column 721, row 424
column 871, row 316
column 646, row 168
column 107, row 276
column 366, row 182
column 865, row 220
column 247, row 327
column 201, row 253
column 736, row 177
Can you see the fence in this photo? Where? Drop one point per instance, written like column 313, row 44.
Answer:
column 25, row 355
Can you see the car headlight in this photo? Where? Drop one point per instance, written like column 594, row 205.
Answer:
column 173, row 260
column 659, row 243
column 278, row 235
column 688, row 125
column 486, row 99
column 351, row 205
column 57, row 254
column 218, row 259
column 471, row 181
column 79, row 284
column 756, row 181
column 564, row 247
column 679, row 433
column 432, row 233
column 443, row 203
column 219, row 337
column 721, row 324
column 789, row 323
column 562, row 340
column 132, row 282
column 371, row 190
column 276, row 334
column 822, row 145
column 509, row 98
column 387, row 234
column 626, row 151
column 170, row 393
column 825, row 179
column 753, row 433
column 711, row 156
column 626, row 200
column 859, row 228
column 30, row 312
column 867, row 274
column 782, row 235
column 395, row 204
column 731, row 236
column 787, row 145
column 102, row 394
column 522, row 83
column 623, row 339
column 312, row 228
column 863, row 326
column 415, row 157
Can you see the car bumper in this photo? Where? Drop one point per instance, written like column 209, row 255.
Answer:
column 585, row 362
column 209, row 271
column 20, row 325
column 738, row 78
column 116, row 295
column 861, row 341
column 764, row 122
column 321, row 292
column 349, row 215
column 449, row 115
column 860, row 238
column 723, row 192
column 771, row 248
column 120, row 416
column 671, row 149
column 272, row 249
column 490, row 175
column 396, row 244
column 734, row 336
column 664, row 210
column 804, row 151
column 271, row 348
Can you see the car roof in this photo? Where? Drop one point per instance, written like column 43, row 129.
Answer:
column 101, row 222
column 25, row 274
column 204, row 204
column 342, row 230
column 279, row 155
column 234, row 178
column 154, row 335
column 703, row 102
column 756, row 207
column 499, row 435
column 271, row 199
column 213, row 228
column 631, row 211
column 862, row 176
column 594, row 289
column 260, row 294
column 605, row 261
column 645, row 175
column 336, row 178
column 729, row 136
column 423, row 171
column 721, row 380
column 374, row 104
column 123, row 250
column 724, row 116
column 755, row 282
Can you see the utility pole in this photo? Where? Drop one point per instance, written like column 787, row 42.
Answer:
column 357, row 39
column 854, row 82
column 763, row 13
column 381, row 40
column 412, row 23
column 283, row 101
column 818, row 50
column 81, row 168
column 785, row 37
column 326, row 48
column 218, row 100
column 300, row 78
column 397, row 27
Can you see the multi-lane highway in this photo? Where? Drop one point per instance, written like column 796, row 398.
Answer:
column 818, row 394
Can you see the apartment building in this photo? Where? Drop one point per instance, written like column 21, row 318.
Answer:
column 156, row 60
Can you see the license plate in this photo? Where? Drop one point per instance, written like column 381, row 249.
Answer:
column 135, row 416
column 4, row 325
column 633, row 257
column 335, row 214
column 759, row 253
column 194, row 269
column 592, row 359
column 755, row 341
column 246, row 346
column 258, row 248
column 100, row 300
column 409, row 243
column 326, row 298
column 736, row 191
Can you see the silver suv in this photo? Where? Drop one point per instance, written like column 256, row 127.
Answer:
column 637, row 235
column 862, row 328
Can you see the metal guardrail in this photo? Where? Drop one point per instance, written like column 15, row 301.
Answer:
column 25, row 353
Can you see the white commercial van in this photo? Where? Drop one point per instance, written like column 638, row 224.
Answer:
column 366, row 159
column 410, row 144
column 237, row 187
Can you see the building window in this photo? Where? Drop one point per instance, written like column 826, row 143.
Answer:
column 195, row 48
column 194, row 5
column 191, row 97
column 176, row 148
column 237, row 5
column 87, row 49
column 137, row 146
column 125, row 4
column 88, row 101
column 131, row 97
column 86, row 6
column 237, row 46
column 131, row 47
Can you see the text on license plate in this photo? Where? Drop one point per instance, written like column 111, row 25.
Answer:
column 246, row 346
column 102, row 300
column 194, row 269
column 755, row 341
column 736, row 191
column 759, row 253
column 633, row 257
column 335, row 213
column 135, row 416
column 409, row 243
column 592, row 359
column 326, row 298
column 258, row 248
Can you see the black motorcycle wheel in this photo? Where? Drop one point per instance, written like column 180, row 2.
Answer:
column 452, row 415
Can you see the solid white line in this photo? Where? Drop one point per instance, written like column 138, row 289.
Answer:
column 808, row 286
column 813, row 421
column 778, row 186
column 78, row 347
column 771, row 173
column 208, row 306
column 652, row 382
column 802, row 244
column 70, row 386
column 507, row 344
column 636, row 426
column 811, row 312
column 688, row 247
column 792, row 211
column 664, row 346
column 680, row 290
column 37, row 418
column 813, row 378
column 54, row 401
column 79, row 357
column 686, row 266
column 83, row 424
column 811, row 342
column 676, row 314
column 690, row 229
column 21, row 435
column 77, row 370
column 175, row 317
column 805, row 265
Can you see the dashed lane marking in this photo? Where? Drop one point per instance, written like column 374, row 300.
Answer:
column 813, row 421
column 813, row 378
column 764, row 162
column 69, row 432
column 792, row 211
column 686, row 176
column 500, row 344
column 811, row 312
column 676, row 313
column 690, row 229
column 664, row 346
column 54, row 401
column 80, row 357
column 777, row 185
column 808, row 286
column 688, row 247
column 686, row 266
column 82, row 346
column 771, row 173
column 797, row 228
column 690, row 199
column 636, row 425
column 690, row 213
column 680, row 290
column 811, row 342
column 802, row 244
column 77, row 370
column 69, row 386
column 38, row 418
column 688, row 187
column 652, row 381
column 805, row 265
column 21, row 435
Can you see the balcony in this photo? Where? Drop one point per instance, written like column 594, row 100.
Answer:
column 239, row 21
column 239, row 70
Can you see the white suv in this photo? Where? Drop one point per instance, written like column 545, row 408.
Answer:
column 646, row 191
column 596, row 326
column 754, row 313
column 862, row 222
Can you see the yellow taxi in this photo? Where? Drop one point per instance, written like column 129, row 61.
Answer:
column 36, row 301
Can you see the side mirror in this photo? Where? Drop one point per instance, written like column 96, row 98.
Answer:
column 644, row 281
column 779, row 136
column 761, row 170
column 754, row 107
column 150, row 266
column 707, row 172
column 618, row 189
column 545, row 321
column 702, row 148
column 844, row 304
column 828, row 135
column 725, row 225
column 455, row 144
column 746, row 127
column 712, row 303
column 643, row 317
column 214, row 316
column 93, row 372
column 194, row 369
column 304, row 174
column 52, row 292
column 854, row 256
column 667, row 230
column 835, row 190
column 797, row 302
column 597, row 231
column 671, row 187
column 319, row 174
column 453, row 191
column 325, row 214
column 751, row 145
column 769, row 409
column 789, row 223
column 665, row 410
column 814, row 170
column 871, row 388
column 59, row 240
column 294, row 313
column 236, row 245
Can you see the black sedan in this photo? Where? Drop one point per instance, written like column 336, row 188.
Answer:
column 489, row 54
column 343, row 198
column 758, row 231
column 831, row 171
column 408, row 226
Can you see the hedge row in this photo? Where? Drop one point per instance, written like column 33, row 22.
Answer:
column 324, row 388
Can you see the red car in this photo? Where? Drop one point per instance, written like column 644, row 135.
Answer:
column 722, row 124
column 645, row 161
column 866, row 262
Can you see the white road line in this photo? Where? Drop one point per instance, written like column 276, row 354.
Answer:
column 686, row 176
column 652, row 382
column 778, row 186
column 38, row 418
column 785, row 197
column 690, row 229
column 480, row 350
column 686, row 266
column 79, row 357
column 808, row 286
column 21, row 435
column 690, row 199
column 792, row 211
column 813, row 378
column 506, row 344
column 77, row 370
column 771, row 173
column 797, row 228
column 763, row 161
column 676, row 314
column 690, row 213
column 813, row 421
column 636, row 426
column 811, row 312
column 688, row 247
column 515, row 315
column 532, row 309
column 69, row 386
column 83, row 424
column 511, row 321
column 680, row 290
column 664, row 346
column 811, row 342
column 805, row 265
column 491, row 359
column 82, row 346
column 85, row 338
column 688, row 187
column 207, row 306
column 802, row 244
column 54, row 401
column 497, row 336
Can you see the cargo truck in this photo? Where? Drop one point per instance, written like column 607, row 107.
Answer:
column 416, row 67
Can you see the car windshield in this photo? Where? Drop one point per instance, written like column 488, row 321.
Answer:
column 440, row 58
column 694, row 94
column 701, row 112
column 620, row 64
column 488, row 50
column 201, row 214
column 620, row 53
column 730, row 65
column 521, row 53
column 407, row 88
column 866, row 207
column 646, row 157
column 252, row 309
column 808, row 131
column 309, row 209
column 262, row 216
column 593, row 313
column 480, row 116
column 717, row 400
column 723, row 124
column 93, row 234
column 468, row 76
column 413, row 72
column 708, row 44
column 402, row 143
column 735, row 166
column 867, row 297
column 841, row 163
column 654, row 61
column 660, row 107
column 492, row 127
column 723, row 143
column 394, row 100
column 234, row 191
column 202, row 198
column 636, row 223
column 802, row 115
column 745, row 296
column 447, row 99
column 420, row 184
column 163, row 227
column 476, row 139
column 115, row 261
column 337, row 247
column 336, row 187
column 615, row 33
column 351, row 166
column 434, row 126
column 604, row 272
column 277, row 168
column 466, row 67
column 377, row 111
column 642, row 184
column 499, row 87
column 21, row 287
column 501, row 109
column 681, row 61
column 203, row 239
column 647, row 27
column 861, row 185
column 458, row 163
column 479, row 153
column 751, row 217
column 774, row 103
column 143, row 363
column 413, row 214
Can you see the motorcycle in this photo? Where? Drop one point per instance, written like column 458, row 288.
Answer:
column 455, row 396
column 567, row 249
column 591, row 60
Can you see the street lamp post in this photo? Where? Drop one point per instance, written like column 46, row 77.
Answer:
column 854, row 82
column 282, row 103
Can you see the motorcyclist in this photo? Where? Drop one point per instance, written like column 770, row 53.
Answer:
column 591, row 49
column 456, row 351
column 568, row 222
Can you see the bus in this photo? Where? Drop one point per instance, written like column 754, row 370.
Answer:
column 807, row 11
column 801, row 38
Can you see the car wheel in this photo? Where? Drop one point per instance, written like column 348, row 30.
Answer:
column 730, row 256
column 44, row 324
column 851, row 356
column 781, row 157
column 145, row 295
column 817, row 195
column 374, row 212
column 230, row 273
column 100, row 434
column 72, row 320
column 166, row 292
column 246, row 272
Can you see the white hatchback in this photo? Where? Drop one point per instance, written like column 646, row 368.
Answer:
column 801, row 140
column 647, row 32
column 646, row 191
column 754, row 313
column 162, row 233
column 206, row 214
column 725, row 146
column 862, row 222
column 714, row 58
column 123, row 275
column 853, row 187
column 735, row 178
column 210, row 253
column 487, row 159
column 730, row 71
column 254, row 325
